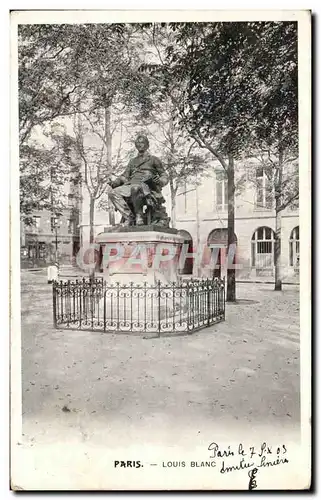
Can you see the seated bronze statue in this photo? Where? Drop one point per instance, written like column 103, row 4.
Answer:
column 137, row 193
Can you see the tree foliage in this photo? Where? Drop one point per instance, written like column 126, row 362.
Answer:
column 62, row 65
column 240, row 83
column 44, row 172
column 65, row 70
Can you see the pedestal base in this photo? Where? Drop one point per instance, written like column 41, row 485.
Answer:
column 141, row 255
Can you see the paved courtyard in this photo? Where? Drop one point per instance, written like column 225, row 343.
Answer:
column 243, row 372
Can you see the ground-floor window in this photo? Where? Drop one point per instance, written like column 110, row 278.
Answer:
column 37, row 250
column 219, row 237
column 35, row 254
column 189, row 261
column 263, row 254
column 294, row 248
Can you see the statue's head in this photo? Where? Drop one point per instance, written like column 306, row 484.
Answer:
column 142, row 143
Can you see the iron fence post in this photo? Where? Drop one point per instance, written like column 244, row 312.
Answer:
column 80, row 304
column 61, row 300
column 223, row 294
column 208, row 301
column 67, row 305
column 105, row 312
column 54, row 305
column 159, row 308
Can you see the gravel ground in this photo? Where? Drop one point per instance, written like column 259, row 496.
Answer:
column 243, row 373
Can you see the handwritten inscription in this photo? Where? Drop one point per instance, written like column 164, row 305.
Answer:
column 218, row 452
column 252, row 475
column 251, row 458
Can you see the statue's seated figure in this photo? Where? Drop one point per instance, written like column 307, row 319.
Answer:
column 137, row 193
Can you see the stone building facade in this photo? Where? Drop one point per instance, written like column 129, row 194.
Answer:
column 201, row 216
column 50, row 239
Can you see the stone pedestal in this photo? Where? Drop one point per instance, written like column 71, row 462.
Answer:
column 140, row 254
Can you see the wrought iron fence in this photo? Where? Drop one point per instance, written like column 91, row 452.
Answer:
column 161, row 308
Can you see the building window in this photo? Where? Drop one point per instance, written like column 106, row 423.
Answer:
column 185, row 197
column 36, row 250
column 71, row 226
column 294, row 247
column 264, row 190
column 219, row 237
column 189, row 261
column 36, row 223
column 54, row 223
column 263, row 254
column 183, row 191
column 42, row 250
column 221, row 191
column 71, row 198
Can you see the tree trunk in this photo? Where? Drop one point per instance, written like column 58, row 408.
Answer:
column 91, row 232
column 277, row 250
column 173, row 204
column 108, row 138
column 278, row 224
column 230, row 291
column 91, row 219
column 198, row 240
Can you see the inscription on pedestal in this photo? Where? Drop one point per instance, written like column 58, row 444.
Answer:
column 141, row 255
